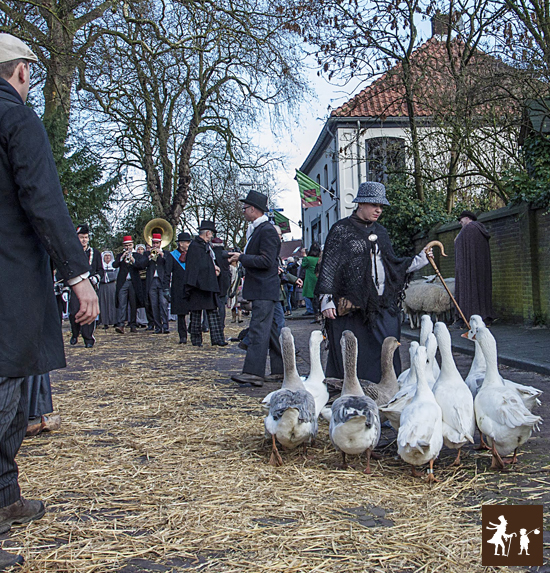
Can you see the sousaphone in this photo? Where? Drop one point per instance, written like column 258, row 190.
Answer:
column 158, row 226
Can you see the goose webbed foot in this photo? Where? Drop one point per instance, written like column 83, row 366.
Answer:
column 482, row 444
column 367, row 469
column 275, row 459
column 457, row 459
column 414, row 473
column 513, row 459
column 344, row 464
column 431, row 478
column 496, row 463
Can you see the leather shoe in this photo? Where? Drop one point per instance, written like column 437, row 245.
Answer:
column 184, row 341
column 165, row 331
column 245, row 378
column 157, row 331
column 73, row 341
column 220, row 343
column 9, row 559
column 89, row 344
column 22, row 511
column 150, row 328
column 133, row 329
column 273, row 378
column 119, row 329
column 242, row 345
column 199, row 345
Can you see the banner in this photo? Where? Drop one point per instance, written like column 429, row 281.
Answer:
column 282, row 221
column 310, row 191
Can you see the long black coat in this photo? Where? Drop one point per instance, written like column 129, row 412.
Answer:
column 261, row 279
column 174, row 270
column 224, row 278
column 201, row 282
column 34, row 226
column 125, row 268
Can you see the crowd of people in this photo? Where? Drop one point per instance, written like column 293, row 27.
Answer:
column 355, row 282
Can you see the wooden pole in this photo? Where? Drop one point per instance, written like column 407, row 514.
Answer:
column 427, row 250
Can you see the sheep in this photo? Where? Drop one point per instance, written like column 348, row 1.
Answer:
column 428, row 296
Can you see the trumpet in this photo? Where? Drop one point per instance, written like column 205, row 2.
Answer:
column 154, row 254
column 127, row 256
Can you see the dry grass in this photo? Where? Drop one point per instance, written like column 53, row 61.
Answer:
column 157, row 460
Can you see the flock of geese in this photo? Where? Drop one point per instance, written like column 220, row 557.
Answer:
column 428, row 405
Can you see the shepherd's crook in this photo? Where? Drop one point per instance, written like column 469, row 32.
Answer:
column 431, row 259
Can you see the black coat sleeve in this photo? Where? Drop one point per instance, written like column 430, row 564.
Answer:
column 39, row 191
column 270, row 246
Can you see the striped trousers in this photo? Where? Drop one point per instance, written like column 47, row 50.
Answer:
column 14, row 397
column 195, row 327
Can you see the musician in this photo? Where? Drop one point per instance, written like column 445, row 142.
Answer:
column 175, row 270
column 96, row 274
column 128, row 284
column 201, row 286
column 156, row 265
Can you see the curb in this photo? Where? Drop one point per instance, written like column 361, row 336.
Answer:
column 506, row 359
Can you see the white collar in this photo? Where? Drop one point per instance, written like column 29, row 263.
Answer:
column 254, row 224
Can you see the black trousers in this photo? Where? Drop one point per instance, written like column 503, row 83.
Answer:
column 369, row 344
column 159, row 304
column 14, row 398
column 127, row 295
column 195, row 327
column 182, row 327
column 87, row 330
column 263, row 335
column 221, row 307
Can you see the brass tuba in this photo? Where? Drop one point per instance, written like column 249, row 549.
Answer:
column 158, row 226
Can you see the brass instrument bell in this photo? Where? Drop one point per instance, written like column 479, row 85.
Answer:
column 158, row 226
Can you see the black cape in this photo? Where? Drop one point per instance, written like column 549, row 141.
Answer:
column 473, row 280
column 201, row 282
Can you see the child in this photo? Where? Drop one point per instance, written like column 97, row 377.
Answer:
column 523, row 542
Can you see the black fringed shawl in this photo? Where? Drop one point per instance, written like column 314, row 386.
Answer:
column 346, row 267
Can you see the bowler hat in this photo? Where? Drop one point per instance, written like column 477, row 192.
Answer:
column 82, row 229
column 184, row 237
column 207, row 226
column 256, row 199
column 12, row 48
column 468, row 214
column 371, row 192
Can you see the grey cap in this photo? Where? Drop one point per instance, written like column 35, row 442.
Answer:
column 371, row 192
column 12, row 48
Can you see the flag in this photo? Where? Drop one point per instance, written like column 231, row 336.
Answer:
column 282, row 221
column 310, row 192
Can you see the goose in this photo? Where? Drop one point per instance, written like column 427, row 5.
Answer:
column 355, row 423
column 315, row 382
column 420, row 436
column 426, row 327
column 454, row 397
column 392, row 410
column 528, row 394
column 292, row 418
column 500, row 413
column 403, row 378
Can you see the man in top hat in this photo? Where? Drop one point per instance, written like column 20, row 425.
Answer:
column 129, row 288
column 202, row 287
column 154, row 285
column 261, row 286
column 473, row 278
column 174, row 275
column 96, row 275
column 36, row 231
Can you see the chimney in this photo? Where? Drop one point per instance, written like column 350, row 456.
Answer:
column 439, row 24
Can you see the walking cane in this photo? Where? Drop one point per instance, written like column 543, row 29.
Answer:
column 431, row 259
column 510, row 542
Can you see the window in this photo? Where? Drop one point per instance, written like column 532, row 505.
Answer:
column 326, row 177
column 384, row 156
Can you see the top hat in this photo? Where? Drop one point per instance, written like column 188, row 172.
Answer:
column 82, row 229
column 256, row 199
column 371, row 192
column 207, row 226
column 12, row 48
column 127, row 239
column 468, row 214
column 184, row 237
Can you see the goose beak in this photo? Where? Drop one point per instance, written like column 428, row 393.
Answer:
column 464, row 335
column 399, row 344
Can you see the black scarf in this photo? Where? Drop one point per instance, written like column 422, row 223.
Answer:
column 346, row 268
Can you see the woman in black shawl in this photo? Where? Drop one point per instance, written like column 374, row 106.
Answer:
column 360, row 282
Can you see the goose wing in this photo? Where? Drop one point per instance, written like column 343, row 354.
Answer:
column 300, row 400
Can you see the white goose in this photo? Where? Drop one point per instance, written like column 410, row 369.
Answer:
column 292, row 418
column 500, row 413
column 392, row 410
column 314, row 383
column 453, row 396
column 420, row 436
column 426, row 328
column 355, row 423
column 528, row 394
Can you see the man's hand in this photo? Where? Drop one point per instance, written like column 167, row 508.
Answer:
column 233, row 257
column 89, row 304
column 299, row 283
column 217, row 269
column 329, row 313
column 161, row 253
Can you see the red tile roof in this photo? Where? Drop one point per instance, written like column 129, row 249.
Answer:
column 433, row 83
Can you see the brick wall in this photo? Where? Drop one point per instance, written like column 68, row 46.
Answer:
column 520, row 259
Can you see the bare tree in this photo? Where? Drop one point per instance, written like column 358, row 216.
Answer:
column 177, row 82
